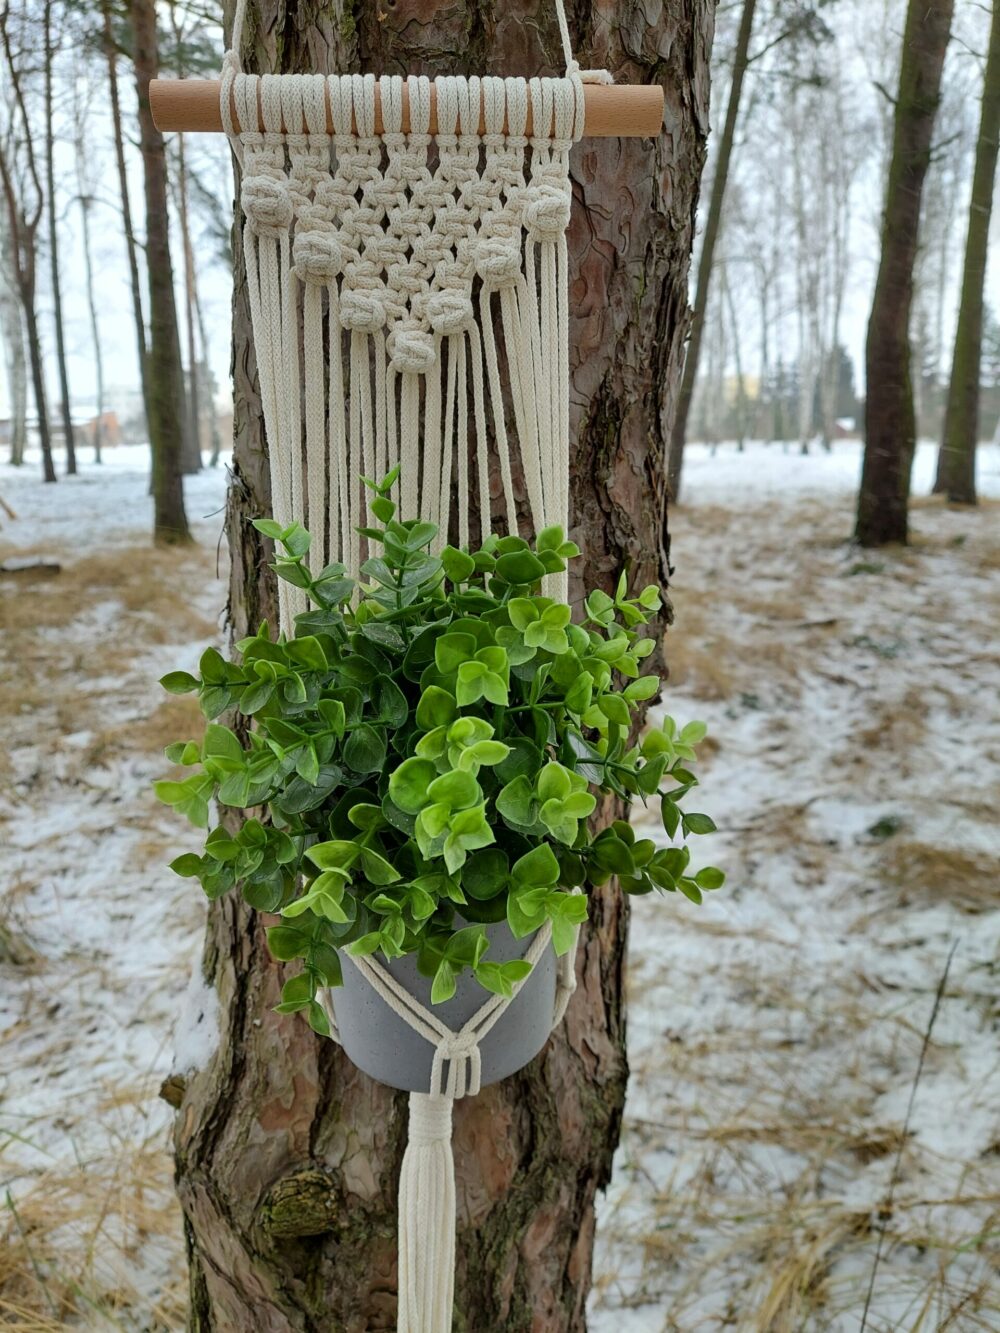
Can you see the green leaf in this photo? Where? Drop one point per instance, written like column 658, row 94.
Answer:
column 520, row 567
column 456, row 789
column 298, row 989
column 485, row 874
column 339, row 854
column 444, row 983
column 537, row 867
column 670, row 815
column 693, row 733
column 377, row 869
column 364, row 749
column 318, row 1019
column 694, row 823
column 523, row 611
column 614, row 707
column 458, row 566
column 436, row 708
column 516, row 801
column 179, row 682
column 409, row 783
column 643, row 688
column 269, row 528
column 286, row 943
column 187, row 865
column 710, row 877
column 451, row 650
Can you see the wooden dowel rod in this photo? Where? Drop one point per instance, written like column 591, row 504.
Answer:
column 612, row 111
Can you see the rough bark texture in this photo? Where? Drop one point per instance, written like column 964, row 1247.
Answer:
column 956, row 475
column 890, row 420
column 713, row 226
column 287, row 1157
column 166, row 380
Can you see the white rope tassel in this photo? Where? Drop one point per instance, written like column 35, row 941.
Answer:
column 427, row 1219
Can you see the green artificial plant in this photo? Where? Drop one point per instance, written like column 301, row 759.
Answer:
column 424, row 762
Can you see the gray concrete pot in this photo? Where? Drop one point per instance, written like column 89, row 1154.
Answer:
column 384, row 1047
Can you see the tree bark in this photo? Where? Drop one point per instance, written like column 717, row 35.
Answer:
column 65, row 406
column 713, row 226
column 166, row 389
column 287, row 1156
column 135, row 285
column 890, row 421
column 956, row 473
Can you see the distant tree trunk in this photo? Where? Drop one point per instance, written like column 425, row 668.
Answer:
column 22, row 225
column 741, row 387
column 713, row 225
column 208, row 380
column 166, row 396
column 65, row 405
column 12, row 334
column 135, row 284
column 86, row 199
column 956, row 473
column 890, row 423
column 288, row 1157
column 190, row 296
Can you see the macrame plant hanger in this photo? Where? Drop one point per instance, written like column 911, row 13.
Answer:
column 393, row 253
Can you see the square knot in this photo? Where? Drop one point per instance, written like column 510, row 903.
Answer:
column 460, row 1051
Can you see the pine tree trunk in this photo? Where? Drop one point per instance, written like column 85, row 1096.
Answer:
column 890, row 419
column 713, row 226
column 135, row 285
column 956, row 476
column 166, row 390
column 65, row 406
column 288, row 1157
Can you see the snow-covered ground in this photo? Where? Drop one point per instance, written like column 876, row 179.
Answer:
column 775, row 1033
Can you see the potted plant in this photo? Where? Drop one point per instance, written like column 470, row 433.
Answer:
column 422, row 760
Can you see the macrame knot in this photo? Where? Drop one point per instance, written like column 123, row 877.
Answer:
column 460, row 1050
column 412, row 350
column 546, row 212
column 317, row 256
column 430, row 1119
column 362, row 310
column 267, row 205
column 498, row 262
column 449, row 311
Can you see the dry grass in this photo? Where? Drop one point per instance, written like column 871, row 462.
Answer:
column 927, row 872
column 67, row 1247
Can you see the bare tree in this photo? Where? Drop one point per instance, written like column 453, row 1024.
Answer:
column 890, row 425
column 24, row 201
column 956, row 474
column 86, row 198
column 111, row 54
column 165, row 377
column 713, row 225
column 55, row 277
